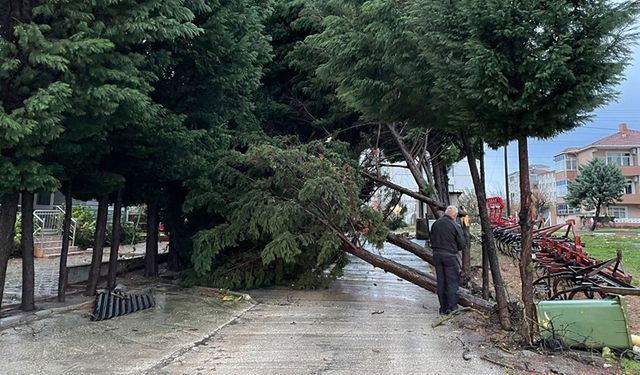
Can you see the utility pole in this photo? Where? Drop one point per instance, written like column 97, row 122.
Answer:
column 506, row 180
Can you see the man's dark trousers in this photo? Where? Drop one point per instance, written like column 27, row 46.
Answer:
column 447, row 274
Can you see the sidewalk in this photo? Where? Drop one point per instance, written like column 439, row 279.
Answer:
column 47, row 270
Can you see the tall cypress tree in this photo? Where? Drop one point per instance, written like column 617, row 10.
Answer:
column 513, row 70
column 34, row 94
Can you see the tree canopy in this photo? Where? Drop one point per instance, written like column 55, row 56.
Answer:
column 598, row 185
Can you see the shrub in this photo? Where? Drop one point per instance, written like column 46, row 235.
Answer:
column 15, row 250
column 85, row 227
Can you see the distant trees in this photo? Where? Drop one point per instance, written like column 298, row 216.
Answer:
column 598, row 185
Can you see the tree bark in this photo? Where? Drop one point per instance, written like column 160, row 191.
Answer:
column 595, row 218
column 66, row 236
column 98, row 245
column 485, row 250
column 440, row 176
column 26, row 243
column 487, row 235
column 466, row 257
column 526, row 235
column 8, row 212
column 175, row 224
column 403, row 190
column 414, row 248
column 151, row 254
column 115, row 241
column 423, row 186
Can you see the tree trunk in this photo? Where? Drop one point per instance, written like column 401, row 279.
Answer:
column 485, row 250
column 487, row 235
column 526, row 264
column 421, row 197
column 423, row 186
column 595, row 218
column 66, row 236
column 26, row 243
column 175, row 224
column 8, row 212
column 466, row 255
column 414, row 276
column 115, row 241
column 414, row 248
column 151, row 254
column 440, row 176
column 98, row 246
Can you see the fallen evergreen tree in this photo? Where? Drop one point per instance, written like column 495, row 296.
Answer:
column 289, row 213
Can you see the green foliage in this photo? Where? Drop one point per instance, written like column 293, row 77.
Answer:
column 283, row 205
column 295, row 100
column 597, row 184
column 85, row 227
column 513, row 69
column 16, row 249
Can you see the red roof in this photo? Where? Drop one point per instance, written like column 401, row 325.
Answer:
column 624, row 137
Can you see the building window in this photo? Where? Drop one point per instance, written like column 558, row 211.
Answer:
column 562, row 188
column 617, row 212
column 566, row 163
column 43, row 198
column 564, row 209
column 621, row 159
column 630, row 188
column 560, row 164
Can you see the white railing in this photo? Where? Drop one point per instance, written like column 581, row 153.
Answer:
column 627, row 220
column 50, row 222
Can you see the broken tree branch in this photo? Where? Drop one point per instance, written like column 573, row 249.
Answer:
column 403, row 190
column 413, row 248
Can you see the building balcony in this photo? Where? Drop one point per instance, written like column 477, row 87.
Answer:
column 630, row 171
column 630, row 199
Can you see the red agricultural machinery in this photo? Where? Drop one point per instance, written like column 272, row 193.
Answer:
column 564, row 270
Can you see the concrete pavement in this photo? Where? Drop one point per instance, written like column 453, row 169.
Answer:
column 367, row 322
column 47, row 271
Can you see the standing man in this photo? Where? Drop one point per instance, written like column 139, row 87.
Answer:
column 447, row 240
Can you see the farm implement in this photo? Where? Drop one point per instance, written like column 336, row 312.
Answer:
column 564, row 271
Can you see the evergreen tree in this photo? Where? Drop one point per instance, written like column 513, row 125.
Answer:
column 211, row 83
column 598, row 185
column 34, row 93
column 512, row 70
column 280, row 200
column 295, row 100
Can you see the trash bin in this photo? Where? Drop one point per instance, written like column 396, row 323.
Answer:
column 586, row 323
column 422, row 229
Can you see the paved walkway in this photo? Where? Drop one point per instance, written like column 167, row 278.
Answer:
column 47, row 270
column 369, row 322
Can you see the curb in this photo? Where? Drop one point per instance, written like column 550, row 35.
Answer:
column 23, row 318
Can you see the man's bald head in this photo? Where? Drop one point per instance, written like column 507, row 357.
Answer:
column 452, row 212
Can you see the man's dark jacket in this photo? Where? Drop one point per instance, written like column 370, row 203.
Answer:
column 447, row 236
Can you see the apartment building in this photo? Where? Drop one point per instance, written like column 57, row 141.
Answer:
column 542, row 181
column 620, row 149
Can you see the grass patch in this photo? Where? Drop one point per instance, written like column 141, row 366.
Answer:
column 605, row 247
column 630, row 367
